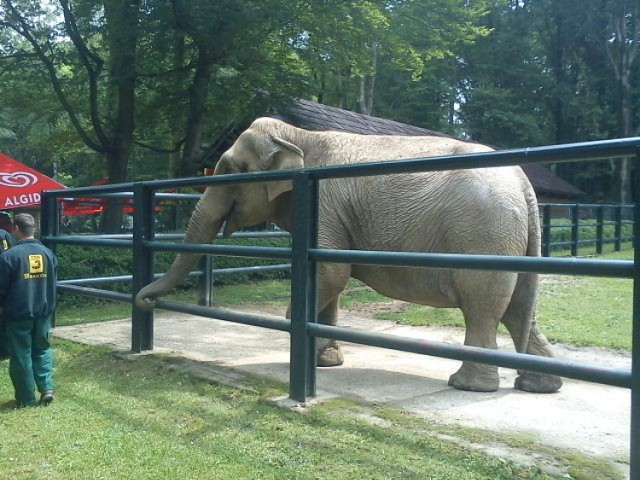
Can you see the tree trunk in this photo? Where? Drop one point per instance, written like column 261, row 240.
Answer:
column 122, row 34
column 175, row 157
column 362, row 103
column 367, row 84
column 111, row 219
column 197, row 111
column 622, row 48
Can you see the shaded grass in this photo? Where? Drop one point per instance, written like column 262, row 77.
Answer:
column 138, row 419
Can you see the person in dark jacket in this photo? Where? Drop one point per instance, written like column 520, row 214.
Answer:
column 5, row 232
column 6, row 240
column 28, row 275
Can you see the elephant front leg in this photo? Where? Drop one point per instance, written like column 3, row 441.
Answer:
column 478, row 377
column 328, row 350
column 332, row 279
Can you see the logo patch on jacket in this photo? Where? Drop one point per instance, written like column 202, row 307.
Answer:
column 36, row 264
column 36, row 267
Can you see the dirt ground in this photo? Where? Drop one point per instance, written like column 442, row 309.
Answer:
column 588, row 418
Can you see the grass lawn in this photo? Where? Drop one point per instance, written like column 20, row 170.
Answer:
column 117, row 418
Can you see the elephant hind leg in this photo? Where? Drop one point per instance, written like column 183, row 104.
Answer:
column 521, row 322
column 532, row 381
column 481, row 328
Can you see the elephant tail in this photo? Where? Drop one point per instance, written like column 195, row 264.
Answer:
column 534, row 241
column 519, row 317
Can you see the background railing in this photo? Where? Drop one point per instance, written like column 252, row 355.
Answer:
column 305, row 254
column 584, row 224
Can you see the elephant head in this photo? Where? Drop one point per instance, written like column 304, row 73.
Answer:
column 236, row 205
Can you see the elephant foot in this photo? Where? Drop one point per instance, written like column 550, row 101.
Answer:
column 537, row 382
column 475, row 378
column 330, row 356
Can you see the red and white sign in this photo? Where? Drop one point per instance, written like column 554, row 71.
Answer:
column 21, row 186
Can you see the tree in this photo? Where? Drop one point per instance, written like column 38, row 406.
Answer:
column 104, row 118
column 386, row 57
column 592, row 49
column 501, row 82
column 556, row 72
column 228, row 43
column 621, row 46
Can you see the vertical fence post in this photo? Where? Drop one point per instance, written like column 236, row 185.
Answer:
column 205, row 281
column 302, row 374
column 634, row 464
column 618, row 227
column 599, row 229
column 575, row 225
column 50, row 217
column 546, row 230
column 50, row 226
column 142, row 322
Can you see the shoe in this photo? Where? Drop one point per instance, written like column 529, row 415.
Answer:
column 46, row 397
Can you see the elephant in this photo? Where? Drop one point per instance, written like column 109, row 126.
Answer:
column 475, row 211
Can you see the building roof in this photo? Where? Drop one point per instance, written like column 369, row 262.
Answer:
column 315, row 116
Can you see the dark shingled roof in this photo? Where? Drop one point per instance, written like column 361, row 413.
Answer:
column 315, row 116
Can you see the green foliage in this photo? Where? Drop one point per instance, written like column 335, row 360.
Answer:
column 587, row 230
column 235, row 262
column 502, row 81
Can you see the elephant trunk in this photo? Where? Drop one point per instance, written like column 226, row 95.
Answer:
column 204, row 224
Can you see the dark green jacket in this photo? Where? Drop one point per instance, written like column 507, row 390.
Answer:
column 28, row 275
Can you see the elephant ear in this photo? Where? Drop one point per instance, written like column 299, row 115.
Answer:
column 284, row 156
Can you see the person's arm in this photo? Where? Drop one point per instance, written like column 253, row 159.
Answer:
column 5, row 280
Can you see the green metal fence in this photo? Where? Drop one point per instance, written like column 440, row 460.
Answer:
column 574, row 220
column 305, row 254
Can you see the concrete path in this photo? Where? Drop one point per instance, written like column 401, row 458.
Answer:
column 590, row 418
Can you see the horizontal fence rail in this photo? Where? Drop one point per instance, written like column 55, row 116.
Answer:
column 616, row 377
column 305, row 254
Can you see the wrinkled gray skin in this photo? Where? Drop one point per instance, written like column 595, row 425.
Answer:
column 482, row 211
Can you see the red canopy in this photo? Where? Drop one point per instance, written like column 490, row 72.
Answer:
column 21, row 186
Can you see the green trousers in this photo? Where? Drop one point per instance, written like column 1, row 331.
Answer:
column 4, row 354
column 30, row 357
